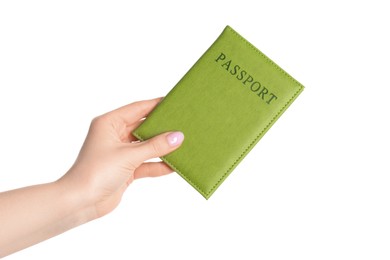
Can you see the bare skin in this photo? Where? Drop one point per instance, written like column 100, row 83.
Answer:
column 109, row 161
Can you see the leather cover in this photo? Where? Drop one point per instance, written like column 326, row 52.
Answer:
column 224, row 105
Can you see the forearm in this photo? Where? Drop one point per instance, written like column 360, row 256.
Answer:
column 110, row 159
column 33, row 214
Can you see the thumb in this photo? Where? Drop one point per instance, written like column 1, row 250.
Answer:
column 158, row 146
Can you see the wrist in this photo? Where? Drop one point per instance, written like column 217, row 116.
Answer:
column 78, row 206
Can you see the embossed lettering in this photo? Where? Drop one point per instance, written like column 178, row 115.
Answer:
column 227, row 64
column 253, row 88
column 248, row 79
column 221, row 57
column 271, row 98
column 243, row 76
column 234, row 70
column 263, row 92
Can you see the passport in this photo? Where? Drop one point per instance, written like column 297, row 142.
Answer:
column 224, row 105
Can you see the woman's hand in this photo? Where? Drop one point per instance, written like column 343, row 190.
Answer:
column 110, row 159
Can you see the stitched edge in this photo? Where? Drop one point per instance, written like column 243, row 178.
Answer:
column 255, row 140
column 177, row 170
column 272, row 120
column 264, row 56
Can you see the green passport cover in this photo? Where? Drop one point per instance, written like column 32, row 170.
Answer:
column 224, row 105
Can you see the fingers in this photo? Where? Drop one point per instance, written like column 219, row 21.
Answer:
column 152, row 169
column 133, row 112
column 157, row 146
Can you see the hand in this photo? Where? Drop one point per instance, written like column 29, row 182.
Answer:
column 111, row 157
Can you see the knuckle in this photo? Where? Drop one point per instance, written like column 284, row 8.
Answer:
column 156, row 148
column 99, row 120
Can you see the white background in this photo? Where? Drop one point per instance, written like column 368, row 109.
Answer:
column 317, row 186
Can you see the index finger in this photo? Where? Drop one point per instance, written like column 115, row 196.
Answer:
column 133, row 112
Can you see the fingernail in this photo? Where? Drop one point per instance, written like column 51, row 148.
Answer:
column 175, row 138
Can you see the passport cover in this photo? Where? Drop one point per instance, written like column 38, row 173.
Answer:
column 224, row 105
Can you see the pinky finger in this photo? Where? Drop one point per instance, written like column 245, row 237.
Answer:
column 152, row 169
